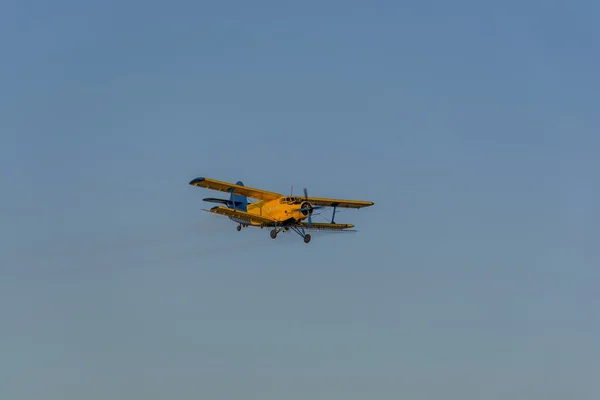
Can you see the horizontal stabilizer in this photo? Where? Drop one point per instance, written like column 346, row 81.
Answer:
column 213, row 200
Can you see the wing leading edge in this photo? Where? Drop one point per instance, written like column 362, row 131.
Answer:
column 325, row 202
column 221, row 186
column 243, row 216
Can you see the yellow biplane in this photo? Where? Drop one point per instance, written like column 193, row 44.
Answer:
column 273, row 209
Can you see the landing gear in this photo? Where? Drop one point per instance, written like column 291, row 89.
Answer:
column 299, row 230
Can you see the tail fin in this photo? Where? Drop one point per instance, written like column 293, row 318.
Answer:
column 239, row 202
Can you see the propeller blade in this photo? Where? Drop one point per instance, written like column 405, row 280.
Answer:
column 309, row 211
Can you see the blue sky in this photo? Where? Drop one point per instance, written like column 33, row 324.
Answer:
column 473, row 127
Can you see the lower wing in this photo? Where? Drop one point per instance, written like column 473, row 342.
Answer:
column 251, row 219
column 240, row 216
column 323, row 226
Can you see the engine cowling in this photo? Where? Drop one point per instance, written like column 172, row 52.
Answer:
column 306, row 208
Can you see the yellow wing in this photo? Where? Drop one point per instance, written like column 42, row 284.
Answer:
column 319, row 201
column 213, row 184
column 243, row 216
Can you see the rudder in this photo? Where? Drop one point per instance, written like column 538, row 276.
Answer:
column 239, row 202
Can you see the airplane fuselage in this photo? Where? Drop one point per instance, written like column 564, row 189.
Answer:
column 283, row 209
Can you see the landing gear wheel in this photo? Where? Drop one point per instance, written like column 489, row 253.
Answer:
column 306, row 238
column 273, row 234
column 239, row 228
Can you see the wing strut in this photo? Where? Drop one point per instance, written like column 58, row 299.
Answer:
column 333, row 216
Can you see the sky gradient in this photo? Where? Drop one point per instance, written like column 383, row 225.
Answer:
column 472, row 126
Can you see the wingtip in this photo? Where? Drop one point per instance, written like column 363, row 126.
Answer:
column 197, row 180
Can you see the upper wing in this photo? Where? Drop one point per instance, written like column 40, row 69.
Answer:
column 319, row 201
column 228, row 187
column 243, row 216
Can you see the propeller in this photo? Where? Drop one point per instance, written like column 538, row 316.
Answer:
column 310, row 209
column 307, row 209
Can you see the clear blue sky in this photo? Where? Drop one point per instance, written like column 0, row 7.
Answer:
column 472, row 126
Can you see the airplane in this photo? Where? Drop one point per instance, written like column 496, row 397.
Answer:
column 273, row 209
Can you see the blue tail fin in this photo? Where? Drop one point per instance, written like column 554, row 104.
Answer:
column 239, row 202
